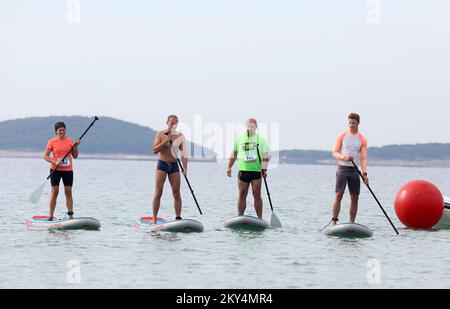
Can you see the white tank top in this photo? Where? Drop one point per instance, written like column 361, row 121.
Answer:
column 354, row 145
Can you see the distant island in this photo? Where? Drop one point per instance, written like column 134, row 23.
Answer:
column 121, row 140
column 110, row 138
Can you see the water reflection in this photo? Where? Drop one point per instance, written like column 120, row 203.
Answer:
column 249, row 233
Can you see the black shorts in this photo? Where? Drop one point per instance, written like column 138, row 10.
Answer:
column 348, row 174
column 248, row 177
column 67, row 178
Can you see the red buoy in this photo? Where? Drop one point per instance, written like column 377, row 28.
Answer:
column 419, row 204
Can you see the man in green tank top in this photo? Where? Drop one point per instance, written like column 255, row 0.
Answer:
column 249, row 149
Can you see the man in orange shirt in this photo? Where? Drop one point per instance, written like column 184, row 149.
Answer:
column 350, row 146
column 59, row 146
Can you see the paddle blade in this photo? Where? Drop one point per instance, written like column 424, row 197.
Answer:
column 36, row 195
column 274, row 221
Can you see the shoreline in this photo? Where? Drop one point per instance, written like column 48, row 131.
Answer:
column 129, row 157
column 385, row 163
column 92, row 156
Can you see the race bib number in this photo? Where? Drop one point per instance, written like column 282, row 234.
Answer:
column 250, row 157
column 65, row 162
column 249, row 152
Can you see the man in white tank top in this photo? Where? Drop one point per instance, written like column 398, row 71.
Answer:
column 349, row 146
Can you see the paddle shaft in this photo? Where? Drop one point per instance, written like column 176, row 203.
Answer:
column 265, row 180
column 73, row 147
column 189, row 185
column 374, row 196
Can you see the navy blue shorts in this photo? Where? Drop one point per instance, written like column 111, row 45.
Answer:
column 168, row 167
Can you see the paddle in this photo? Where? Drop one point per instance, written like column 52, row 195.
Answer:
column 274, row 221
column 373, row 194
column 187, row 181
column 189, row 185
column 36, row 195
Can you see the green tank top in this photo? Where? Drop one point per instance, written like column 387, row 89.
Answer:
column 245, row 147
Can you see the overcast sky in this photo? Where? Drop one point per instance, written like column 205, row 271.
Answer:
column 304, row 65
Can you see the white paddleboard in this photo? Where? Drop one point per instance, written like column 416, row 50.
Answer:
column 177, row 226
column 85, row 223
column 247, row 223
column 444, row 223
column 348, row 230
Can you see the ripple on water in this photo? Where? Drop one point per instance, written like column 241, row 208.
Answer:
column 296, row 256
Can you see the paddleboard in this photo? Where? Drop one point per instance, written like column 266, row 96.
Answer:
column 177, row 226
column 84, row 223
column 247, row 223
column 348, row 230
column 444, row 223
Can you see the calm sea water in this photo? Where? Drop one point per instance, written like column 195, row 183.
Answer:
column 296, row 256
